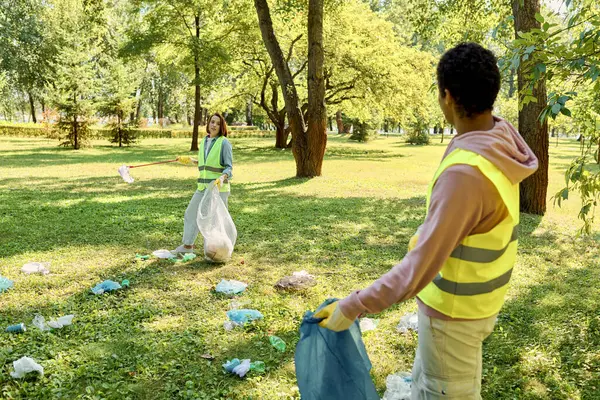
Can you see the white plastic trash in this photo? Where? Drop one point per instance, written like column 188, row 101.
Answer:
column 25, row 365
column 36, row 268
column 242, row 369
column 398, row 386
column 61, row 322
column 408, row 322
column 162, row 253
column 368, row 324
column 40, row 322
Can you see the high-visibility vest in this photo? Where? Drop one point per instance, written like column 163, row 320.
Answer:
column 210, row 166
column 474, row 279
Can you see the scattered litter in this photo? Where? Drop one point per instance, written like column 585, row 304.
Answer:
column 243, row 316
column 257, row 366
column 186, row 257
column 106, row 286
column 208, row 356
column 277, row 342
column 229, row 325
column 5, row 284
column 162, row 253
column 142, row 257
column 241, row 368
column 398, row 386
column 36, row 268
column 408, row 322
column 61, row 322
column 40, row 322
column 25, row 365
column 368, row 324
column 125, row 283
column 18, row 328
column 231, row 287
column 297, row 281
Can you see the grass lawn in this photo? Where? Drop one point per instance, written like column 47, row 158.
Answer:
column 348, row 227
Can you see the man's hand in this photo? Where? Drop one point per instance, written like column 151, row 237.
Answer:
column 334, row 319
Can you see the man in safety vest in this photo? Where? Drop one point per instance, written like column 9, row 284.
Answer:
column 460, row 260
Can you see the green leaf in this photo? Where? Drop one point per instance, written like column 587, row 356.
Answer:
column 565, row 194
column 539, row 18
column 566, row 111
column 546, row 26
column 563, row 99
column 556, row 108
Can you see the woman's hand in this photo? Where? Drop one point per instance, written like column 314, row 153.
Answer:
column 185, row 160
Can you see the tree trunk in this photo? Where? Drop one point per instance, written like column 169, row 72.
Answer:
column 442, row 141
column 249, row 111
column 138, row 107
column 339, row 121
column 281, row 135
column 120, row 130
column 32, row 106
column 533, row 189
column 197, row 109
column 43, row 104
column 286, row 81
column 313, row 147
column 75, row 141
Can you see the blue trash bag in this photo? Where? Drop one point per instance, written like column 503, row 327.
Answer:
column 241, row 317
column 5, row 284
column 106, row 286
column 230, row 287
column 332, row 365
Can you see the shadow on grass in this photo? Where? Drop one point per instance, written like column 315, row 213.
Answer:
column 546, row 344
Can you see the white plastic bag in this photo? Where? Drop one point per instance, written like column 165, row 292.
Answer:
column 36, row 268
column 398, row 386
column 25, row 365
column 216, row 226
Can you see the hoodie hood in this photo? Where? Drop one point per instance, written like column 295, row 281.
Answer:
column 503, row 146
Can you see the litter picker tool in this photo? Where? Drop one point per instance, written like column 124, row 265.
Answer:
column 124, row 169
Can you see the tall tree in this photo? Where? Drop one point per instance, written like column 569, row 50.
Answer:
column 308, row 144
column 533, row 189
column 198, row 29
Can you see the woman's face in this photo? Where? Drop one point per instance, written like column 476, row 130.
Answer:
column 214, row 126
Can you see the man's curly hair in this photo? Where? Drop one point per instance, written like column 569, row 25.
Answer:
column 471, row 75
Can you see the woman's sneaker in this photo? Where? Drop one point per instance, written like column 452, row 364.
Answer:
column 182, row 249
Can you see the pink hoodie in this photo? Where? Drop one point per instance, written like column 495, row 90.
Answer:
column 463, row 202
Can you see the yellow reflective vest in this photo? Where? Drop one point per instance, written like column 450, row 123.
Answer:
column 210, row 166
column 474, row 279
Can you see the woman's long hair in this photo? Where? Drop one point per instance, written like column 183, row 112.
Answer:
column 222, row 127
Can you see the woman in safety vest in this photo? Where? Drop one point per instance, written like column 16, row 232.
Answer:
column 460, row 260
column 215, row 160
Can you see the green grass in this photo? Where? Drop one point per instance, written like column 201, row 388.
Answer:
column 347, row 227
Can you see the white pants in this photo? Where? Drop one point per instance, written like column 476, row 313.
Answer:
column 448, row 360
column 190, row 226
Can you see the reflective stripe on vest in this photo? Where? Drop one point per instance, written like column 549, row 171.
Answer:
column 474, row 279
column 210, row 167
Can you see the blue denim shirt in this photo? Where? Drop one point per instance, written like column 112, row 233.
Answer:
column 226, row 159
